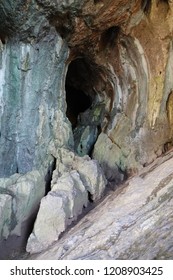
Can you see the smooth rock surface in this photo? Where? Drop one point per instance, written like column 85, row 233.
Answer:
column 134, row 222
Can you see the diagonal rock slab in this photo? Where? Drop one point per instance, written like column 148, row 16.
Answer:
column 133, row 222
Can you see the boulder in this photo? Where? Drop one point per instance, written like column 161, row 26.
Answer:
column 58, row 209
column 76, row 182
column 89, row 170
column 21, row 197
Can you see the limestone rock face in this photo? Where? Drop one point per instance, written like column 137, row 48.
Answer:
column 26, row 134
column 20, row 198
column 134, row 222
column 86, row 91
column 81, row 180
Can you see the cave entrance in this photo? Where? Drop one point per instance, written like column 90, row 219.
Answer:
column 77, row 102
column 78, row 89
column 83, row 98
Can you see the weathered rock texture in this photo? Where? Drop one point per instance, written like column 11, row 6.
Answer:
column 91, row 77
column 19, row 202
column 134, row 222
column 75, row 182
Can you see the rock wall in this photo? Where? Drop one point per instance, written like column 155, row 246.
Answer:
column 93, row 78
column 29, row 102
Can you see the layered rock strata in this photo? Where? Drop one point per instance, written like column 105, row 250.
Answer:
column 90, row 77
column 134, row 222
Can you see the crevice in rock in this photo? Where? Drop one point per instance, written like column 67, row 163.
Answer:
column 164, row 1
column 167, row 147
column 48, row 177
column 169, row 105
column 17, row 169
column 146, row 6
column 2, row 38
column 90, row 197
column 63, row 23
column 109, row 37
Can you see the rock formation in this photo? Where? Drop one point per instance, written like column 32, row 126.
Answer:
column 85, row 102
column 133, row 222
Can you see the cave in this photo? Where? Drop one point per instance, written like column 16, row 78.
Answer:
column 77, row 102
column 86, row 101
column 79, row 96
column 79, row 88
column 83, row 97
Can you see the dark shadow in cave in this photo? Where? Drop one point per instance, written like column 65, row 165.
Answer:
column 48, row 177
column 109, row 37
column 14, row 247
column 146, row 6
column 77, row 102
column 79, row 83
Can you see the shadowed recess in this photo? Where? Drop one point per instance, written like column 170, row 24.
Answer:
column 79, row 81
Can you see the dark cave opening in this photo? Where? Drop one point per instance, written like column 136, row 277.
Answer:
column 85, row 100
column 77, row 102
column 146, row 6
column 48, row 177
column 78, row 86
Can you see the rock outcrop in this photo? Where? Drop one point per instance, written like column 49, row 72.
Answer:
column 133, row 222
column 86, row 92
column 76, row 181
column 20, row 198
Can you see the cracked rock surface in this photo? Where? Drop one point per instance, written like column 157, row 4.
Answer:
column 134, row 222
column 81, row 180
column 86, row 99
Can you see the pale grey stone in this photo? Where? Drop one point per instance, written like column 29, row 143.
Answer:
column 84, row 139
column 134, row 222
column 89, row 170
column 50, row 222
column 25, row 192
column 58, row 209
column 91, row 175
column 5, row 215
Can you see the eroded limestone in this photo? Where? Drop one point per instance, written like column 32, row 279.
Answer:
column 134, row 222
column 75, row 182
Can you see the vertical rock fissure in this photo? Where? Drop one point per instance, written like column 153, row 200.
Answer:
column 48, row 177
